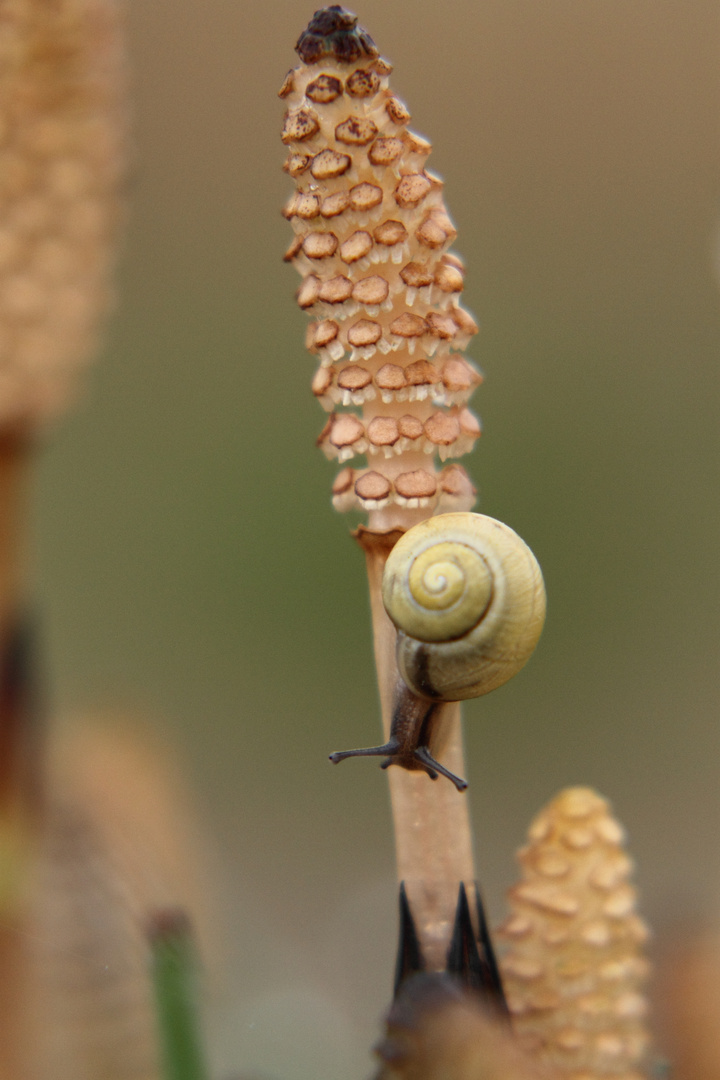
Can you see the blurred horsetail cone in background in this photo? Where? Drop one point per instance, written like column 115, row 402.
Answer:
column 575, row 969
column 62, row 158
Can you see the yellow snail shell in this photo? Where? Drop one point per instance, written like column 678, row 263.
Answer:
column 468, row 600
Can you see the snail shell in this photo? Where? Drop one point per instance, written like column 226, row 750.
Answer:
column 468, row 600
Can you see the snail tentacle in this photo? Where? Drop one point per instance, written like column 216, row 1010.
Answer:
column 433, row 767
column 388, row 749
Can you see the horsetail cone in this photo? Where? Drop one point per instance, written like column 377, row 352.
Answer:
column 381, row 287
column 575, row 971
column 62, row 155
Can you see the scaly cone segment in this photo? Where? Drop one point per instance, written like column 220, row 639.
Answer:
column 62, row 114
column 372, row 239
column 574, row 972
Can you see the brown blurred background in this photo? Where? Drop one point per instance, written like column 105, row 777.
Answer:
column 194, row 577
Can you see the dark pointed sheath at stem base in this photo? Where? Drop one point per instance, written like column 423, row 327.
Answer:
column 470, row 959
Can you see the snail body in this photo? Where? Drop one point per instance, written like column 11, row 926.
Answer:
column 468, row 600
column 466, row 595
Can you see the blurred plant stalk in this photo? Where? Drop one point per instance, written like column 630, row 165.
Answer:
column 14, row 495
column 63, row 141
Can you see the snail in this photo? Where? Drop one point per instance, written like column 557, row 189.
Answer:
column 467, row 597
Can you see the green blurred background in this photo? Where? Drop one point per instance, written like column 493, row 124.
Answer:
column 195, row 578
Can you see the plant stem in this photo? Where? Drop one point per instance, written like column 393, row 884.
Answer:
column 433, row 838
column 173, row 955
column 14, row 479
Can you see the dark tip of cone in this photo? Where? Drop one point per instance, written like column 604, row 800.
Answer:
column 334, row 32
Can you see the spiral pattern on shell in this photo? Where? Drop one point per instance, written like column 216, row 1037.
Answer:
column 468, row 600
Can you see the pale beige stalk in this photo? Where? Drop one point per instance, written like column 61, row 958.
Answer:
column 433, row 836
